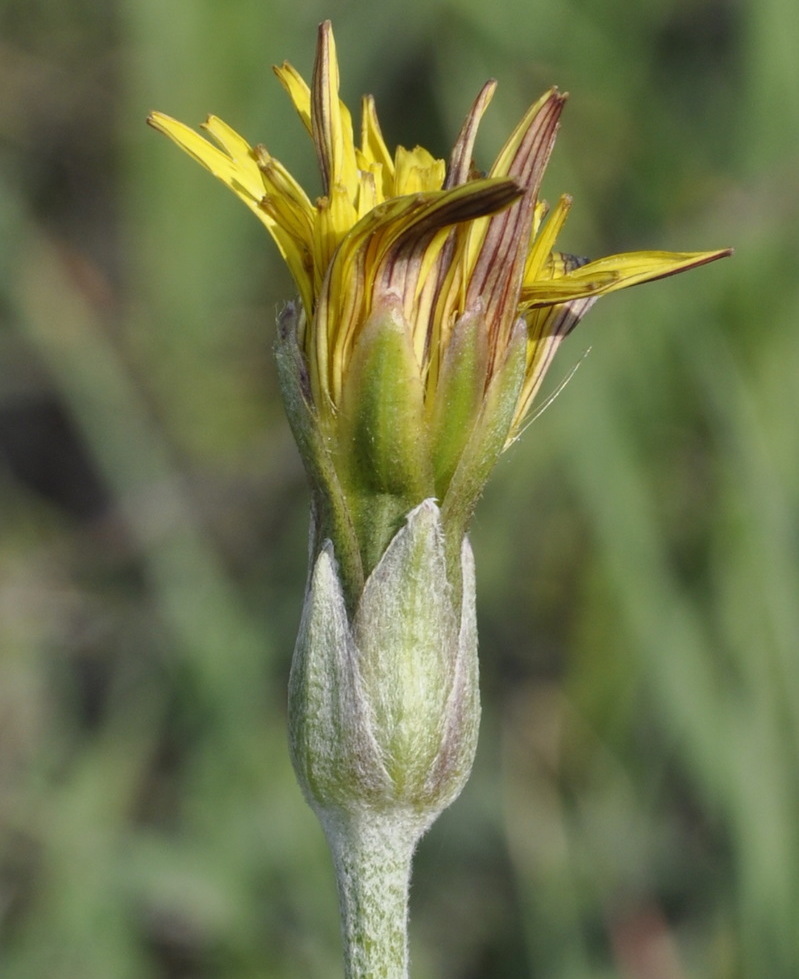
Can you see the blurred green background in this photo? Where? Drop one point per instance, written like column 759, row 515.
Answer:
column 634, row 810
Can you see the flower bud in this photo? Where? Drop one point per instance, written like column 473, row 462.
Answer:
column 384, row 704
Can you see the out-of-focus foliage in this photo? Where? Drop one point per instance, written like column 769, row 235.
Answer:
column 634, row 811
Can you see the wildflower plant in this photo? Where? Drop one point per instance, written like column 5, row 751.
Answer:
column 431, row 302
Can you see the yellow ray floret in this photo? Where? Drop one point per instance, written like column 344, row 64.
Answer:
column 437, row 241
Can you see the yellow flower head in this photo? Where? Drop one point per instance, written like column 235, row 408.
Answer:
column 432, row 299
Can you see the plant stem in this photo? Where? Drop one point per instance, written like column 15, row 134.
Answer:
column 372, row 855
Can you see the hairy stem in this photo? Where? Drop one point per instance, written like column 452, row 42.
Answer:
column 372, row 856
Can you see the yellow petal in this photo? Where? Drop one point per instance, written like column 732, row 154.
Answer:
column 330, row 119
column 298, row 91
column 550, row 292
column 368, row 181
column 460, row 162
column 544, row 242
column 237, row 148
column 336, row 216
column 504, row 161
column 609, row 274
column 632, row 268
column 373, row 146
column 417, row 171
column 241, row 173
column 278, row 183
